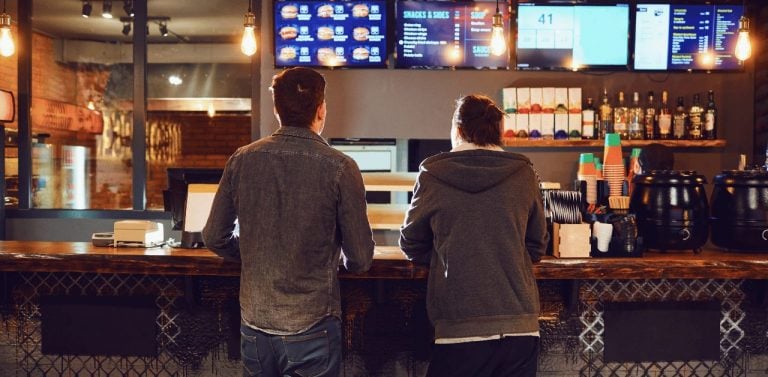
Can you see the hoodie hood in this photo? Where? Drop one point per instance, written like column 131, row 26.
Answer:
column 474, row 170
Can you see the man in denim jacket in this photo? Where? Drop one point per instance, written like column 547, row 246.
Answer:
column 298, row 203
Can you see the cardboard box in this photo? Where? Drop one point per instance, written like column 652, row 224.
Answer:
column 548, row 100
column 523, row 100
column 521, row 122
column 509, row 100
column 571, row 240
column 536, row 100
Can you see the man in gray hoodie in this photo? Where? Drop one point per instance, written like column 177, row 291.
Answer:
column 477, row 219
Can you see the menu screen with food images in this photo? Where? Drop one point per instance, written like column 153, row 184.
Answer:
column 330, row 33
column 448, row 34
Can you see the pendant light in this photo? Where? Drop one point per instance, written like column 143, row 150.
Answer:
column 498, row 39
column 743, row 45
column 7, row 46
column 248, row 45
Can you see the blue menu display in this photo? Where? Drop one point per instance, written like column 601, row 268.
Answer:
column 330, row 33
column 572, row 36
column 686, row 37
column 447, row 34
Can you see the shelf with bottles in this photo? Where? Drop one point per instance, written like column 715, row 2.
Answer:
column 598, row 143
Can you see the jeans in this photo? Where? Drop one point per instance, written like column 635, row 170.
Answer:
column 313, row 353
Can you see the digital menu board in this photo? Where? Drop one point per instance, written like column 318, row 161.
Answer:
column 330, row 33
column 572, row 36
column 686, row 37
column 447, row 34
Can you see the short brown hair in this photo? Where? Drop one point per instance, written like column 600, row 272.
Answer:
column 297, row 93
column 479, row 120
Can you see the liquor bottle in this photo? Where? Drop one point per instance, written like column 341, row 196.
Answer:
column 665, row 118
column 679, row 120
column 710, row 117
column 650, row 118
column 635, row 118
column 606, row 116
column 695, row 119
column 589, row 121
column 620, row 115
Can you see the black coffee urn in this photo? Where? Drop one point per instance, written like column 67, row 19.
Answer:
column 672, row 209
column 740, row 210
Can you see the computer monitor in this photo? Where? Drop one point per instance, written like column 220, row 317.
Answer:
column 189, row 190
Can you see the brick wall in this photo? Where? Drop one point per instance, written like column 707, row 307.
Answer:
column 51, row 79
column 205, row 143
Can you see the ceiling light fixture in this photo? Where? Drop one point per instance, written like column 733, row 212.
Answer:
column 87, row 8
column 163, row 28
column 126, row 28
column 106, row 10
column 128, row 7
column 498, row 39
column 248, row 45
column 175, row 80
column 7, row 46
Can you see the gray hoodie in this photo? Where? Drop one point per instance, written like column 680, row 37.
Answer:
column 477, row 219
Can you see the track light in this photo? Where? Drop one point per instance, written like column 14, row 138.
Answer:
column 248, row 45
column 87, row 8
column 106, row 10
column 126, row 28
column 7, row 46
column 498, row 39
column 163, row 29
column 128, row 7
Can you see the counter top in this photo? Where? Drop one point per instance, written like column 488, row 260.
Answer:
column 389, row 263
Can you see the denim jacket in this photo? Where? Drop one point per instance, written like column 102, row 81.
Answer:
column 299, row 204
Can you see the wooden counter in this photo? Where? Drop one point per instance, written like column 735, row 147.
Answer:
column 389, row 263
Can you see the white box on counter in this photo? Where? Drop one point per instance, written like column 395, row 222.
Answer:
column 571, row 240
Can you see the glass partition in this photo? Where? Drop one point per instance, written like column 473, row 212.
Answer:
column 81, row 106
column 198, row 86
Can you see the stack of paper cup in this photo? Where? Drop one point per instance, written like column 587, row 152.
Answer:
column 613, row 165
column 603, row 233
column 599, row 168
column 588, row 173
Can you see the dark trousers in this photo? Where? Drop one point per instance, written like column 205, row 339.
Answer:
column 514, row 356
column 313, row 353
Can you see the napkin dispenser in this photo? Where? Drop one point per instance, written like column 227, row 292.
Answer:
column 138, row 233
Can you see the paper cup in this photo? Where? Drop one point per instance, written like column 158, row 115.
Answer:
column 603, row 232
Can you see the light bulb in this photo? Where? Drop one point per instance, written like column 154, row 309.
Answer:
column 248, row 45
column 743, row 46
column 498, row 39
column 7, row 47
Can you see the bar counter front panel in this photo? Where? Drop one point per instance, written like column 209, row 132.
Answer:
column 192, row 294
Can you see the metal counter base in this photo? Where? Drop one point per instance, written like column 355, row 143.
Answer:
column 386, row 331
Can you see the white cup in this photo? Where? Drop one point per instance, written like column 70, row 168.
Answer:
column 602, row 232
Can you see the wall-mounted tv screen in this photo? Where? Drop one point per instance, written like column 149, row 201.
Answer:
column 330, row 33
column 569, row 36
column 438, row 34
column 686, row 37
